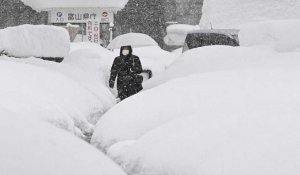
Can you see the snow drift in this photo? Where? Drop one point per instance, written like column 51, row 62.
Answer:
column 280, row 35
column 71, row 95
column 35, row 41
column 209, row 59
column 34, row 147
column 232, row 111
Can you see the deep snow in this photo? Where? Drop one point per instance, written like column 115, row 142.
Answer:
column 234, row 114
column 71, row 95
column 281, row 35
column 30, row 147
column 35, row 41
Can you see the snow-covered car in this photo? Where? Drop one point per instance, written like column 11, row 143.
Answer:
column 210, row 37
column 40, row 41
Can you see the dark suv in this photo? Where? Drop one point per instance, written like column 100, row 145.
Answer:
column 202, row 38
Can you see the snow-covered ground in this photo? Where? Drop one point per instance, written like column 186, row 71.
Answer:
column 71, row 95
column 234, row 113
column 38, row 97
column 65, row 95
column 32, row 147
column 215, row 110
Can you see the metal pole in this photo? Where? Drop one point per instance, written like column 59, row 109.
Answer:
column 81, row 32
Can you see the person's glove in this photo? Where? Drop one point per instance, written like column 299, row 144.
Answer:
column 111, row 84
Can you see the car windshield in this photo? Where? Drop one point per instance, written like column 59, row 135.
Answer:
column 206, row 39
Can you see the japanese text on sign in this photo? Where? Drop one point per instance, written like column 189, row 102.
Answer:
column 81, row 15
column 93, row 31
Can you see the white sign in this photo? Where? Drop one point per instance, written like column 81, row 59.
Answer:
column 81, row 15
column 93, row 31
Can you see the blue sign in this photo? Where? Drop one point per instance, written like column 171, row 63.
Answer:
column 59, row 14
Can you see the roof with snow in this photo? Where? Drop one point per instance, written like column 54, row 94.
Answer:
column 46, row 4
column 234, row 13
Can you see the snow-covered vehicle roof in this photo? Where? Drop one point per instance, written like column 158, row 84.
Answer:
column 202, row 38
column 233, row 13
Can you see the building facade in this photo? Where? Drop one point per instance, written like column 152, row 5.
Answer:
column 94, row 24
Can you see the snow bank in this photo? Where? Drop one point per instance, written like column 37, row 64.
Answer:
column 280, row 35
column 208, row 59
column 71, row 95
column 200, row 60
column 225, row 144
column 232, row 111
column 92, row 58
column 34, row 147
column 178, row 51
column 96, row 63
column 51, row 96
column 36, row 41
column 233, row 13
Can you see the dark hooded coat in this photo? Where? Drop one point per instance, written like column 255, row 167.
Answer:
column 127, row 69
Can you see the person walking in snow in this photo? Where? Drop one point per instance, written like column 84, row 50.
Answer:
column 127, row 67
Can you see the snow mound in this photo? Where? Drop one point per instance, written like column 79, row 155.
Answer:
column 35, row 41
column 34, row 147
column 242, row 121
column 208, row 59
column 230, row 14
column 48, row 95
column 91, row 58
column 200, row 60
column 280, row 35
column 132, row 39
column 71, row 95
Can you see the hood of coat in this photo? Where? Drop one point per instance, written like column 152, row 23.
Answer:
column 123, row 47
